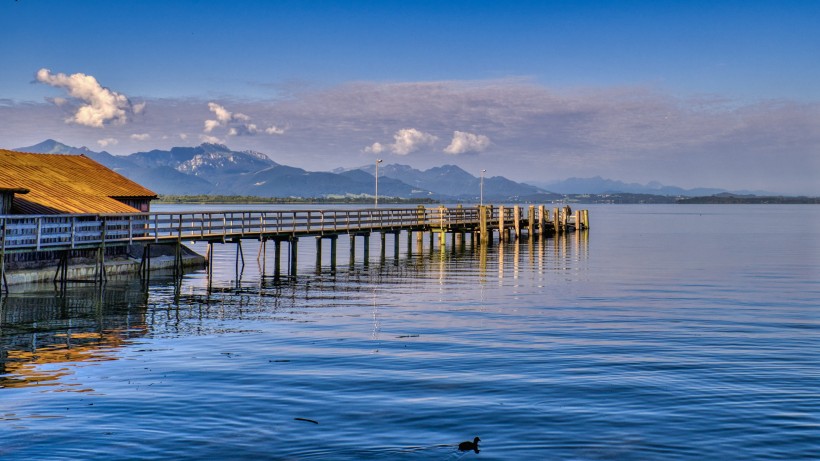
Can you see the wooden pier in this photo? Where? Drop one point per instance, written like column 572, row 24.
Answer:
column 64, row 233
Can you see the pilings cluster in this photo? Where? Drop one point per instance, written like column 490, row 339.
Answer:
column 509, row 222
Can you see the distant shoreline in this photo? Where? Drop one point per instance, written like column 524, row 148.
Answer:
column 251, row 200
column 753, row 200
column 611, row 199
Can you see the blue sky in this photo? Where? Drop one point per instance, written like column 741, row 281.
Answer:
column 721, row 94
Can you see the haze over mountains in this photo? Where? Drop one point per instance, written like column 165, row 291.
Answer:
column 215, row 169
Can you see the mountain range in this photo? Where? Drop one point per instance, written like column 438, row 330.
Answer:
column 216, row 169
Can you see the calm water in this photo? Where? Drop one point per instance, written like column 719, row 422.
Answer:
column 664, row 333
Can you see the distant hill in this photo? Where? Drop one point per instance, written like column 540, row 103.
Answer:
column 599, row 185
column 217, row 170
column 452, row 182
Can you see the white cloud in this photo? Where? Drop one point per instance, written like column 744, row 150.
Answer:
column 248, row 129
column 464, row 142
column 410, row 140
column 375, row 148
column 406, row 140
column 210, row 125
column 183, row 136
column 238, row 124
column 210, row 139
column 107, row 142
column 99, row 104
column 273, row 129
column 222, row 114
column 140, row 136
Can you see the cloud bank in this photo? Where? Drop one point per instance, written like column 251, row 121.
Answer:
column 98, row 105
column 511, row 127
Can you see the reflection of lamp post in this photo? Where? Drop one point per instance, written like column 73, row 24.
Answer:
column 377, row 182
column 482, row 186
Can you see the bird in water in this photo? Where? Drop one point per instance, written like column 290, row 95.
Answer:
column 467, row 446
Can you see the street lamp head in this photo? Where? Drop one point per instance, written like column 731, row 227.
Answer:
column 379, row 161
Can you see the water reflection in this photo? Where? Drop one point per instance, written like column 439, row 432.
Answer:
column 45, row 334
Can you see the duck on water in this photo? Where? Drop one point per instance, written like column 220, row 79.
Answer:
column 467, row 446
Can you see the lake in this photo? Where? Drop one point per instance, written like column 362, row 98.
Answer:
column 665, row 332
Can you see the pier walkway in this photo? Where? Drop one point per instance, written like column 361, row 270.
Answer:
column 64, row 233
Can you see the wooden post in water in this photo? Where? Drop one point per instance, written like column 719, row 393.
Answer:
column 586, row 219
column 579, row 224
column 263, row 250
column 294, row 251
column 564, row 219
column 209, row 260
column 530, row 221
column 542, row 218
column 396, row 235
column 382, row 252
column 352, row 249
column 318, row 252
column 366, row 248
column 240, row 258
column 501, row 234
column 409, row 242
column 277, row 260
column 517, row 221
column 482, row 224
column 333, row 252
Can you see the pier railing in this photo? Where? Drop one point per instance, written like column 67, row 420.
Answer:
column 21, row 233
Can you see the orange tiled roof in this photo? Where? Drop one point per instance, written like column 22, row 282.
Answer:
column 66, row 184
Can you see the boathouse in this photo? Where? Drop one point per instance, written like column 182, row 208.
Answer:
column 66, row 184
column 53, row 184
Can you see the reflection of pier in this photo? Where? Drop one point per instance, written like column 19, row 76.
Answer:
column 41, row 329
column 62, row 234
column 42, row 332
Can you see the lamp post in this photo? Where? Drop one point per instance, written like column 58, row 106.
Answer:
column 377, row 182
column 482, row 187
